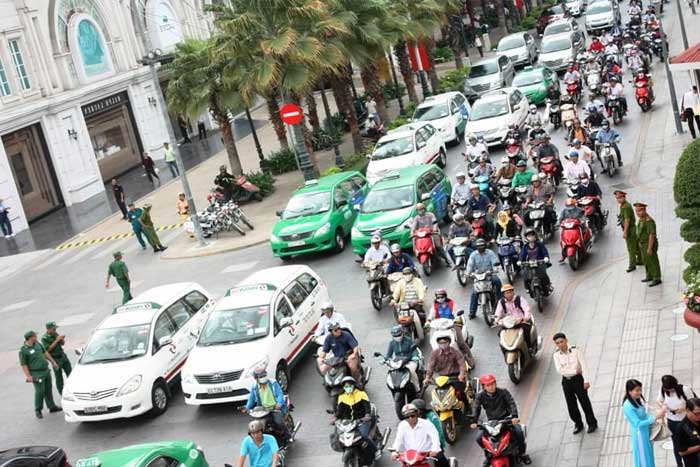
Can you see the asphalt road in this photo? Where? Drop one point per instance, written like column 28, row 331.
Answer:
column 68, row 287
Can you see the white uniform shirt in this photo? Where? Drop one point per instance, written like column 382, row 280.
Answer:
column 377, row 254
column 572, row 171
column 324, row 323
column 571, row 363
column 691, row 101
column 476, row 150
column 422, row 438
column 617, row 90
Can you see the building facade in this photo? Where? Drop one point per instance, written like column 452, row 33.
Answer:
column 77, row 107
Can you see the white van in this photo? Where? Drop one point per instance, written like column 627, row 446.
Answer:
column 134, row 354
column 265, row 321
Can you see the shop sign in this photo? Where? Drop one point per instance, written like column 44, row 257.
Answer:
column 105, row 104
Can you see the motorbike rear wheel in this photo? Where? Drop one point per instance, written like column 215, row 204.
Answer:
column 351, row 461
column 375, row 296
column 427, row 266
column 247, row 222
column 515, row 371
column 462, row 276
column 539, row 298
column 486, row 311
column 449, row 427
column 616, row 116
column 510, row 272
column 238, row 228
column 399, row 402
column 611, row 170
column 574, row 261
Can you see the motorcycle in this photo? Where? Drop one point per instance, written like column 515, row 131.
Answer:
column 460, row 206
column 244, row 190
column 658, row 48
column 643, row 95
column 614, row 107
column 459, row 251
column 520, row 197
column 498, row 443
column 573, row 91
column 478, row 225
column 398, row 380
column 449, row 406
column 568, row 114
column 554, row 115
column 411, row 321
column 537, row 291
column 576, row 240
column 537, row 211
column 270, row 428
column 439, row 327
column 424, row 249
column 472, row 163
column 572, row 187
column 597, row 219
column 608, row 156
column 515, row 351
column 548, row 166
column 348, row 440
column 593, row 83
column 378, row 283
column 486, row 297
column 332, row 380
column 484, row 183
column 508, row 250
column 514, row 150
column 505, row 190
column 413, row 458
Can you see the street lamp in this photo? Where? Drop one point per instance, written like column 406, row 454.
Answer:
column 669, row 77
column 402, row 110
column 151, row 58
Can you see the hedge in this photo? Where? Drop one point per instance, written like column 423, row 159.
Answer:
column 282, row 161
column 686, row 193
column 264, row 181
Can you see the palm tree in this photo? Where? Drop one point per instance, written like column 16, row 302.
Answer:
column 197, row 84
column 273, row 110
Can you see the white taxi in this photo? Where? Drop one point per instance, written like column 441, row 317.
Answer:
column 448, row 112
column 135, row 354
column 265, row 321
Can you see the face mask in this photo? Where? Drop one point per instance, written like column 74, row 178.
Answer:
column 263, row 380
column 443, row 345
column 407, row 277
column 421, row 212
column 441, row 300
column 348, row 389
column 398, row 338
column 584, row 182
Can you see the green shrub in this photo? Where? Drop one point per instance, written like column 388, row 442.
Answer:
column 282, row 161
column 397, row 122
column 686, row 192
column 410, row 108
column 444, row 54
column 325, row 138
column 337, row 121
column 331, row 170
column 389, row 91
column 266, row 182
column 453, row 80
column 528, row 23
column 357, row 161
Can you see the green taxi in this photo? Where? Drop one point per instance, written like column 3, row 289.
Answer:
column 160, row 454
column 391, row 205
column 534, row 82
column 319, row 215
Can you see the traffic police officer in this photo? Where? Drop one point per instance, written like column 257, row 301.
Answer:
column 53, row 343
column 34, row 361
column 648, row 245
column 626, row 219
column 118, row 269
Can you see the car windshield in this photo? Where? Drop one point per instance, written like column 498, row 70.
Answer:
column 598, row 7
column 433, row 112
column 234, row 326
column 508, row 43
column 488, row 109
column 557, row 10
column 393, row 148
column 483, row 69
column 307, row 205
column 388, row 199
column 527, row 79
column 556, row 45
column 116, row 344
column 557, row 29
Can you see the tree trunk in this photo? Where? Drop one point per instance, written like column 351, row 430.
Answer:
column 273, row 109
column 314, row 120
column 234, row 160
column 370, row 80
column 343, row 97
column 406, row 71
column 308, row 142
column 453, row 33
column 432, row 72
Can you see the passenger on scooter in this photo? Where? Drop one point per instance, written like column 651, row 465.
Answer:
column 484, row 167
column 328, row 318
column 505, row 226
column 398, row 260
column 607, row 134
column 577, row 132
column 474, row 148
column 506, row 170
column 409, row 289
column 588, row 187
column 261, row 449
column 417, row 434
column 585, row 153
column 460, row 190
column 268, row 394
column 499, row 405
column 592, row 65
column 517, row 307
column 612, row 69
column 481, row 261
column 522, row 176
column 513, row 133
column 554, row 92
column 403, row 346
column 460, row 228
column 595, row 118
column 575, row 167
column 612, row 49
column 547, row 149
column 343, row 344
column 377, row 251
column 534, row 249
column 353, row 404
column 536, row 132
column 443, row 307
column 537, row 192
column 596, row 46
column 533, row 117
column 425, row 219
column 432, row 417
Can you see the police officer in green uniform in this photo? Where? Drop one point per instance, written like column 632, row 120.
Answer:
column 118, row 269
column 626, row 220
column 35, row 366
column 53, row 343
column 648, row 244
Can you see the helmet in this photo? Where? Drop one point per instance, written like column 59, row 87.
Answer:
column 537, row 124
column 396, row 331
column 460, row 174
column 533, row 108
column 487, row 379
column 583, row 175
column 606, row 123
column 349, row 379
column 458, row 217
column 614, row 78
column 334, row 326
column 534, row 178
column 444, row 337
column 409, row 409
column 255, row 426
column 396, row 248
column 407, row 270
column 376, row 239
column 259, row 372
column 222, row 167
column 418, row 403
column 420, row 206
column 473, row 186
column 472, row 138
column 507, row 287
column 441, row 292
column 484, row 158
column 573, row 153
column 530, row 231
column 542, row 175
column 575, row 142
column 505, row 160
column 570, row 202
column 512, row 126
column 480, row 242
column 326, row 306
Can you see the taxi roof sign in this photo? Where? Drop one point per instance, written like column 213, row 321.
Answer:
column 250, row 288
column 312, row 182
column 89, row 462
column 391, row 175
column 145, row 306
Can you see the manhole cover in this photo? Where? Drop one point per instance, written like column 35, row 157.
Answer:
column 679, row 337
column 667, row 445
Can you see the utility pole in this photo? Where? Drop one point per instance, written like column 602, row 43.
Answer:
column 684, row 35
column 402, row 110
column 669, row 77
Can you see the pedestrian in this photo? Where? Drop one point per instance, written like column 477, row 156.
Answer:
column 150, row 167
column 119, row 197
column 53, row 343
column 687, row 437
column 635, row 411
column 648, row 245
column 5, row 223
column 170, row 160
column 182, row 123
column 261, row 449
column 34, row 360
column 479, row 45
column 673, row 397
column 201, row 129
column 118, row 269
column 134, row 215
column 690, row 108
column 571, row 365
column 226, row 182
column 183, row 209
column 150, row 230
column 626, row 221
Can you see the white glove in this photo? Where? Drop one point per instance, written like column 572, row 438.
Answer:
column 546, row 260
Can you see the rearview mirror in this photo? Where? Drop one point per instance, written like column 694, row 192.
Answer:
column 459, row 313
column 425, row 196
column 377, row 354
column 278, row 213
column 165, row 340
column 79, row 351
column 286, row 322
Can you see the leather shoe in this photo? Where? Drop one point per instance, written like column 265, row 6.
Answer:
column 38, row 414
column 56, row 409
column 646, row 279
column 631, row 269
column 578, row 429
column 654, row 283
column 592, row 428
column 525, row 459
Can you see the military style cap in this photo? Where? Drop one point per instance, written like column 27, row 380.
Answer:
column 521, row 163
column 117, row 254
column 29, row 334
column 639, row 205
column 51, row 324
column 620, row 192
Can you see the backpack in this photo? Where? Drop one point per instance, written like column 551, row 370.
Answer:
column 516, row 301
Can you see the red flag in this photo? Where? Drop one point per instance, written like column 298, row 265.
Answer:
column 422, row 62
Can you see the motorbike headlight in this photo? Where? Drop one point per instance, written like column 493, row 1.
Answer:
column 262, row 363
column 323, row 230
column 132, row 385
column 355, row 232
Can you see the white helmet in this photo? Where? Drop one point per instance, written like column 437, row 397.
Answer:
column 327, row 306
column 460, row 174
column 533, row 108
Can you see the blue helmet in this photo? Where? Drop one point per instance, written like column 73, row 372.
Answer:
column 396, row 331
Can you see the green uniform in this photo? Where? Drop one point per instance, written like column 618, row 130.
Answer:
column 149, row 229
column 118, row 269
column 33, row 357
column 435, row 420
column 60, row 357
column 645, row 228
column 523, row 178
column 626, row 212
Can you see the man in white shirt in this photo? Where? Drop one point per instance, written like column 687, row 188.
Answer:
column 574, row 167
column 571, row 365
column 378, row 251
column 328, row 317
column 475, row 148
column 460, row 190
column 690, row 106
column 418, row 434
column 584, row 152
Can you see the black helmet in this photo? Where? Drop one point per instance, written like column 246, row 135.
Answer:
column 480, row 242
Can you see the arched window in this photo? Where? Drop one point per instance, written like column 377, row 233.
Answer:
column 87, row 44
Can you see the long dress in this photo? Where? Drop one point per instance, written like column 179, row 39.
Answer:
column 640, row 424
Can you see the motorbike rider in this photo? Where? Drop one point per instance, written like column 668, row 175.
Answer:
column 606, row 38
column 409, row 289
column 353, row 404
column 517, row 307
column 403, row 346
column 328, row 318
column 596, row 46
column 591, row 188
column 477, row 200
column 484, row 167
column 523, row 175
column 607, row 134
column 475, row 148
column 635, row 61
column 506, row 170
column 634, row 10
column 642, row 78
column 447, row 361
column 343, row 344
column 399, row 260
column 268, row 394
column 499, row 405
column 261, row 449
column 417, row 434
column 554, row 92
column 577, row 131
column 505, row 226
column 585, row 153
column 432, row 417
column 459, row 228
column 426, row 219
column 534, row 249
column 460, row 190
column 226, row 182
column 592, row 65
column 594, row 119
column 572, row 74
column 377, row 251
column 536, row 132
column 481, row 261
column 612, row 69
column 514, row 133
column 547, row 149
column 538, row 191
column 612, row 50
column 575, row 167
column 571, row 211
column 533, row 117
column 443, row 307
column 618, row 90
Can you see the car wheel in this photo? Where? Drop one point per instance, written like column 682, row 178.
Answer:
column 339, row 241
column 159, row 398
column 282, row 376
column 442, row 158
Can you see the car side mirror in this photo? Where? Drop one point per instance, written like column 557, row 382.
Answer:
column 278, row 213
column 286, row 322
column 342, row 202
column 425, row 196
column 79, row 351
column 377, row 354
column 422, row 145
column 165, row 340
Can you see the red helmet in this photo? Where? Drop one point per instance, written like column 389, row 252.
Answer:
column 487, row 379
column 442, row 292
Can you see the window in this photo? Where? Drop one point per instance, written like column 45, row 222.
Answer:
column 453, row 107
column 282, row 310
column 180, row 313
column 164, row 327
column 503, row 62
column 459, row 100
column 196, row 300
column 164, row 461
column 19, row 65
column 4, row 84
column 339, row 198
column 307, row 281
column 420, row 140
column 296, row 294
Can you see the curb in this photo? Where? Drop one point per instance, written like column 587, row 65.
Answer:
column 212, row 253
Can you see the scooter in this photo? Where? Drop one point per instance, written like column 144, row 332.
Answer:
column 472, row 163
column 597, row 220
column 449, row 406
column 554, row 115
column 520, row 197
column 410, row 321
column 593, row 83
column 484, row 183
column 454, row 328
column 549, row 167
column 614, row 107
column 332, row 380
column 536, row 213
column 508, row 249
column 478, row 225
column 398, row 380
column 576, row 240
column 608, row 156
column 424, row 249
column 270, row 428
column 460, row 206
column 243, row 190
column 501, row 449
column 573, row 91
column 643, row 96
column 514, row 150
column 538, row 292
column 568, row 114
column 505, row 191
column 413, row 458
column 515, row 352
column 459, row 251
column 378, row 283
column 486, row 298
column 348, row 440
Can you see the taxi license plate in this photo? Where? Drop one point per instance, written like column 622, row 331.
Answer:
column 296, row 243
column 219, row 389
column 97, row 409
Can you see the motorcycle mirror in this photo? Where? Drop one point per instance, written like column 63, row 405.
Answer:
column 459, row 313
column 330, row 411
column 278, row 213
column 377, row 354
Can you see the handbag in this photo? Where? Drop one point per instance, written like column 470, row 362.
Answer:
column 156, row 170
column 659, row 431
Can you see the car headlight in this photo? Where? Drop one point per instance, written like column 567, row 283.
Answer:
column 274, row 238
column 355, row 232
column 262, row 363
column 188, row 378
column 67, row 395
column 323, row 230
column 132, row 385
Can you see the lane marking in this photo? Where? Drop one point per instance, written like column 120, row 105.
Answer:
column 240, row 267
column 17, row 306
column 109, row 238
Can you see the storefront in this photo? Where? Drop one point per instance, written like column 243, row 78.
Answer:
column 115, row 141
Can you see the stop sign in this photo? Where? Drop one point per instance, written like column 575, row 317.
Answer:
column 291, row 114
